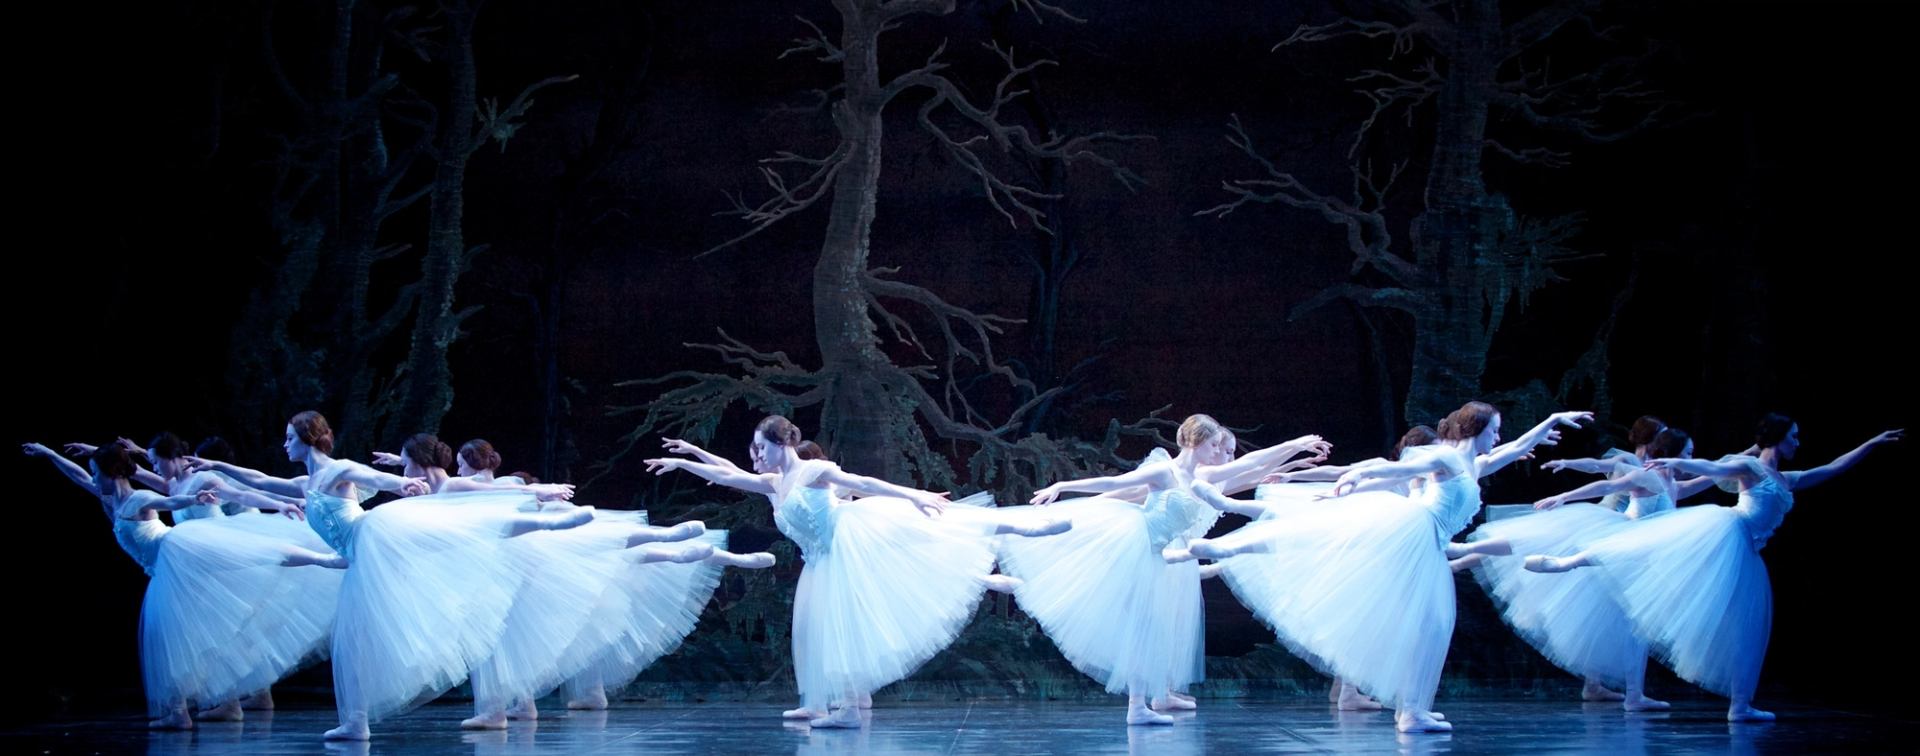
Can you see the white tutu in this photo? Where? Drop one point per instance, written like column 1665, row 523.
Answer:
column 884, row 588
column 1570, row 618
column 428, row 590
column 1695, row 588
column 1359, row 586
column 655, row 607
column 223, row 619
column 1107, row 597
column 552, row 630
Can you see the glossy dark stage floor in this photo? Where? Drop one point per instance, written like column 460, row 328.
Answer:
column 1002, row 727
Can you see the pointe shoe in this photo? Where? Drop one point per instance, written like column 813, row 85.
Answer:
column 573, row 517
column 1597, row 692
column 1141, row 715
column 1206, row 548
column 1424, row 721
column 802, row 713
column 1051, row 526
column 355, row 728
column 1636, row 702
column 525, row 710
column 492, row 721
column 685, row 530
column 1176, row 556
column 1002, row 583
column 1539, row 563
column 226, row 712
column 595, row 701
column 843, row 718
column 1351, row 699
column 758, row 560
column 698, row 552
column 179, row 720
column 262, row 701
column 1746, row 713
column 1173, row 704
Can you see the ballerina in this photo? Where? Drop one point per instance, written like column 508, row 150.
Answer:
column 1286, row 492
column 1363, row 589
column 883, row 588
column 429, row 583
column 1692, row 582
column 579, row 604
column 1574, row 621
column 1105, row 593
column 212, row 622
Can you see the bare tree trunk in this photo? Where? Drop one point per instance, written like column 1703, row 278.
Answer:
column 428, row 392
column 1456, row 238
column 862, row 411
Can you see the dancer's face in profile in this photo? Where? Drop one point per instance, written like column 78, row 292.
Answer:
column 1488, row 438
column 1790, row 444
column 410, row 468
column 167, row 468
column 1687, row 453
column 1218, row 450
column 466, row 470
column 100, row 479
column 297, row 450
column 765, row 454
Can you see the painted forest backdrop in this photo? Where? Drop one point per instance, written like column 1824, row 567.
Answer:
column 967, row 245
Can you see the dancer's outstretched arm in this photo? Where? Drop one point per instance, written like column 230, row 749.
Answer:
column 729, row 476
column 362, row 475
column 173, row 503
column 67, row 467
column 1213, row 496
column 1595, row 490
column 679, row 446
column 541, row 491
column 251, row 478
column 1809, row 478
column 1247, row 480
column 1154, row 477
column 1588, row 465
column 927, row 501
column 1389, row 473
column 1547, row 433
column 141, row 475
column 247, row 497
column 1737, row 468
column 1260, row 462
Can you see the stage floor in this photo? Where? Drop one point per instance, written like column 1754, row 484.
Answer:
column 1002, row 727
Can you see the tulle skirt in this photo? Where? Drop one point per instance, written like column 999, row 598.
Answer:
column 1108, row 599
column 1696, row 591
column 1571, row 618
column 1358, row 586
column 223, row 619
column 893, row 588
column 426, row 598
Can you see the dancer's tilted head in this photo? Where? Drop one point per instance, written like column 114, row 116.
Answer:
column 424, row 451
column 1779, row 433
column 774, row 442
column 477, row 456
column 1644, row 429
column 1671, row 443
column 308, row 432
column 1475, row 422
